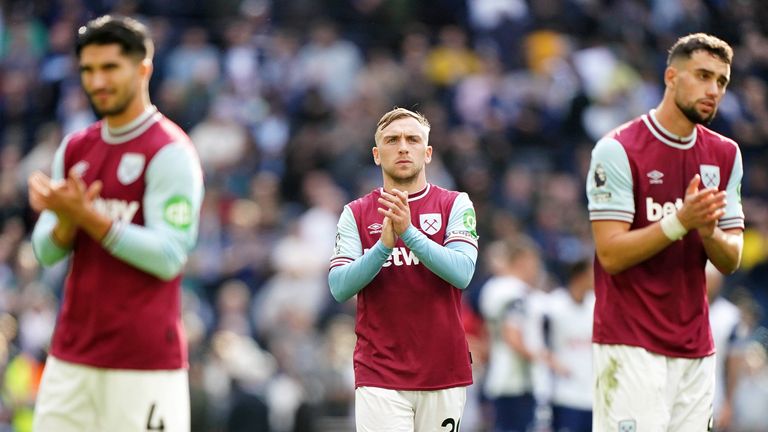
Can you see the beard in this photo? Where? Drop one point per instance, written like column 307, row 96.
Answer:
column 116, row 108
column 403, row 178
column 113, row 110
column 694, row 116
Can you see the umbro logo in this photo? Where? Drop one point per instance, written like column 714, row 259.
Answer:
column 656, row 177
column 375, row 228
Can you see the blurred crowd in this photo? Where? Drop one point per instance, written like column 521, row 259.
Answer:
column 281, row 98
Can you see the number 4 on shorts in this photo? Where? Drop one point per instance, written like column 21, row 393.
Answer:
column 159, row 426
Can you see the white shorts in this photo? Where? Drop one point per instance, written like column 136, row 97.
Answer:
column 77, row 398
column 639, row 391
column 378, row 409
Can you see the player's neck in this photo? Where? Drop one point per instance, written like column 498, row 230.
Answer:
column 134, row 110
column 672, row 119
column 410, row 187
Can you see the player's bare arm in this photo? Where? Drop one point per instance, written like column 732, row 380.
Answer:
column 619, row 248
column 724, row 249
column 701, row 210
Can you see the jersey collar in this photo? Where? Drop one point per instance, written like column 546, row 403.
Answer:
column 666, row 136
column 138, row 126
column 420, row 194
column 416, row 195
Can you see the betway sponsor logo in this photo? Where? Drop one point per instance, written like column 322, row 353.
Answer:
column 116, row 209
column 655, row 211
column 400, row 256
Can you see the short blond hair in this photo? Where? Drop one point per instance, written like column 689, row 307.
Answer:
column 398, row 113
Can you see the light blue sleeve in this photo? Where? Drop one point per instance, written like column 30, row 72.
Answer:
column 46, row 250
column 462, row 222
column 172, row 200
column 734, row 214
column 609, row 183
column 351, row 267
column 455, row 261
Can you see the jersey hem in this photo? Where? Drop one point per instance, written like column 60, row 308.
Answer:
column 663, row 352
column 414, row 388
column 109, row 365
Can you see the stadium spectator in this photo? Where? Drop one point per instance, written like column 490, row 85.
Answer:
column 568, row 335
column 515, row 336
column 728, row 333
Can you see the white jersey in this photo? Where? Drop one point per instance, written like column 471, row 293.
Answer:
column 570, row 340
column 503, row 301
column 725, row 319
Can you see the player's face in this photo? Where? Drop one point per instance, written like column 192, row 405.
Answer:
column 700, row 85
column 111, row 79
column 402, row 151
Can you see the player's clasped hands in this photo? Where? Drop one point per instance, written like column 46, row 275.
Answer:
column 397, row 215
column 701, row 208
column 65, row 197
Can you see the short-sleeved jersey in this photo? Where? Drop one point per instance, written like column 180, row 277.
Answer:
column 639, row 172
column 408, row 325
column 114, row 315
column 570, row 340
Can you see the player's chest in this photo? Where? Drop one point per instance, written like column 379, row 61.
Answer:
column 120, row 169
column 431, row 220
column 665, row 174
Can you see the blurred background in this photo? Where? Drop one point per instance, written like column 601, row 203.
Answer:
column 281, row 98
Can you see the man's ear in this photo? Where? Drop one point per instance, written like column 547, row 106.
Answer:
column 147, row 67
column 376, row 159
column 428, row 154
column 670, row 73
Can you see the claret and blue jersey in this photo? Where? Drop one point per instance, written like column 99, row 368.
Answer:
column 409, row 330
column 121, row 307
column 639, row 173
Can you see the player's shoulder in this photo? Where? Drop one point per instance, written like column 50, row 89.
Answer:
column 627, row 133
column 173, row 130
column 166, row 132
column 445, row 197
column 365, row 200
column 437, row 190
column 716, row 139
column 84, row 135
column 77, row 143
